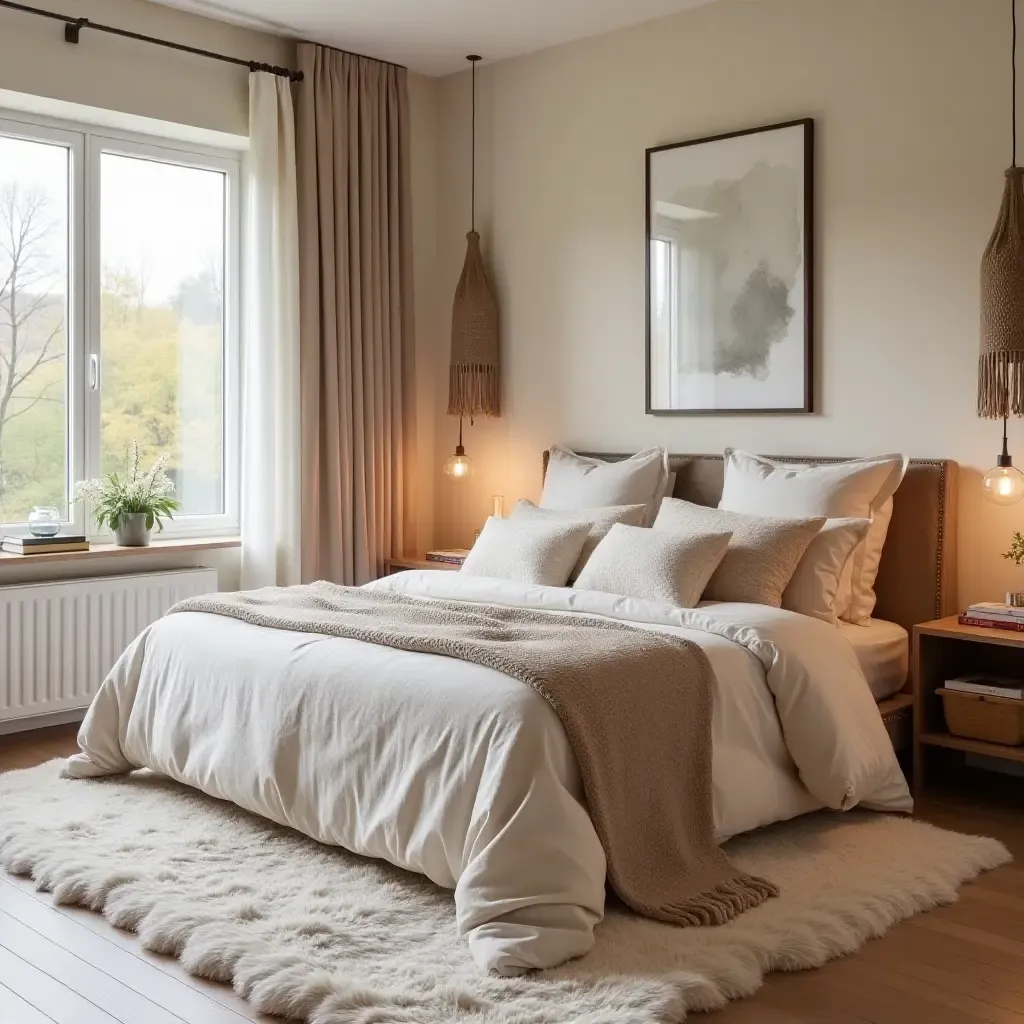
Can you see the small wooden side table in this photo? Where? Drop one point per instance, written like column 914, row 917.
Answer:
column 943, row 649
column 414, row 562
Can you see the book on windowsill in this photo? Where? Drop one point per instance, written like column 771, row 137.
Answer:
column 451, row 556
column 27, row 545
column 987, row 622
column 989, row 686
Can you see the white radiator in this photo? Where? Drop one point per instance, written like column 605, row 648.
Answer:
column 59, row 640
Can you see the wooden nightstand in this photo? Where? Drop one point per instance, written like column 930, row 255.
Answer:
column 412, row 562
column 943, row 649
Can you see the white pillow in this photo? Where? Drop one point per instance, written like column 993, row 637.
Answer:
column 665, row 566
column 854, row 489
column 816, row 582
column 542, row 553
column 600, row 521
column 575, row 482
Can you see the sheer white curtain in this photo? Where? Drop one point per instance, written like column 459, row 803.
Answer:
column 270, row 355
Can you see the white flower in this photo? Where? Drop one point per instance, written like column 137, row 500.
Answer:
column 90, row 490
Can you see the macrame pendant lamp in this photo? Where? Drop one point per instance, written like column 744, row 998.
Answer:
column 473, row 379
column 1001, row 360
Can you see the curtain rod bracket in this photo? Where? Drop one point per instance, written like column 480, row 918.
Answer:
column 73, row 29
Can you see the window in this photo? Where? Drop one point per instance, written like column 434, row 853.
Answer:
column 118, row 318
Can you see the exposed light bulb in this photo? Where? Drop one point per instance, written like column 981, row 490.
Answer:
column 459, row 466
column 1003, row 485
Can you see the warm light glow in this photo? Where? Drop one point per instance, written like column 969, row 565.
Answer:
column 1003, row 485
column 458, row 467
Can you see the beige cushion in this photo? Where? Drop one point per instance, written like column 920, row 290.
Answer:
column 762, row 555
column 815, row 584
column 600, row 521
column 655, row 565
column 857, row 488
column 542, row 553
column 576, row 482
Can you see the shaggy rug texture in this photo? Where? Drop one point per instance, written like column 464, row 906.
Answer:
column 314, row 933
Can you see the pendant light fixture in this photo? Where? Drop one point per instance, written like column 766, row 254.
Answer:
column 458, row 466
column 474, row 376
column 1001, row 362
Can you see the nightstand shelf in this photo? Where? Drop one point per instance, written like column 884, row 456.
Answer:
column 943, row 649
column 415, row 562
column 944, row 739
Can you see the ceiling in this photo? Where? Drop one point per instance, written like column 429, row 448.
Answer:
column 434, row 36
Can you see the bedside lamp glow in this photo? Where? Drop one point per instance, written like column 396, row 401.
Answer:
column 1003, row 485
column 458, row 466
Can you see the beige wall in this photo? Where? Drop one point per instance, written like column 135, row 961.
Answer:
column 912, row 118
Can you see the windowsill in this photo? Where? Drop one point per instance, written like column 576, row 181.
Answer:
column 177, row 545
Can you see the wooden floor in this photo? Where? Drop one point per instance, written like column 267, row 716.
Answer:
column 958, row 964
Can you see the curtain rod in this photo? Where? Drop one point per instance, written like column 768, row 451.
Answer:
column 74, row 26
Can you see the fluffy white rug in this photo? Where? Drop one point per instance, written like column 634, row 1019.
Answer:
column 312, row 932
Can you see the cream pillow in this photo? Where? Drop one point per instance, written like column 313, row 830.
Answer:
column 542, row 553
column 654, row 565
column 600, row 521
column 762, row 555
column 857, row 489
column 816, row 582
column 575, row 482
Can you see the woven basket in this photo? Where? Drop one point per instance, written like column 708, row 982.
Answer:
column 977, row 716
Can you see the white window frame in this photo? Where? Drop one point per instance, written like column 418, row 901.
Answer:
column 86, row 144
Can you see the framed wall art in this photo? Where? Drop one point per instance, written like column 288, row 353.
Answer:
column 729, row 272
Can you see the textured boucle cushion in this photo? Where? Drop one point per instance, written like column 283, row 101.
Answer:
column 668, row 566
column 542, row 553
column 763, row 552
column 600, row 521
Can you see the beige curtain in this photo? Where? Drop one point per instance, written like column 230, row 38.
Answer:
column 355, row 313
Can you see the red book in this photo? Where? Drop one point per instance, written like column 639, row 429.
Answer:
column 973, row 620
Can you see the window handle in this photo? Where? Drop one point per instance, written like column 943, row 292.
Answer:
column 94, row 372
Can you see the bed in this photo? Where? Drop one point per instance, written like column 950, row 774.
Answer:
column 464, row 775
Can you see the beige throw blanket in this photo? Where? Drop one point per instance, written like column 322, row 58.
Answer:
column 636, row 706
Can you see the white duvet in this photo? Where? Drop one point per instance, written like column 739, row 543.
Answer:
column 465, row 775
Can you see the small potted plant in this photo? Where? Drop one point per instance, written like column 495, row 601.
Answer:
column 132, row 503
column 1016, row 552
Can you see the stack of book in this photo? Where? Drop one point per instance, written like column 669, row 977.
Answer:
column 452, row 556
column 993, row 615
column 29, row 545
column 989, row 686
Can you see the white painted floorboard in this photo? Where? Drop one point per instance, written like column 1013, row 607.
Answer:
column 14, row 1010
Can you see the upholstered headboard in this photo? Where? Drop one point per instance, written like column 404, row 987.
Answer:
column 917, row 577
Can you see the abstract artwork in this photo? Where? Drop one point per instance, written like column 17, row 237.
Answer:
column 729, row 287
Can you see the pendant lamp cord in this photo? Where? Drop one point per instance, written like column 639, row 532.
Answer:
column 1013, row 65
column 472, row 207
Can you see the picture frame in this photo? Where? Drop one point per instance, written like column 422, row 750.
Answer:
column 729, row 273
